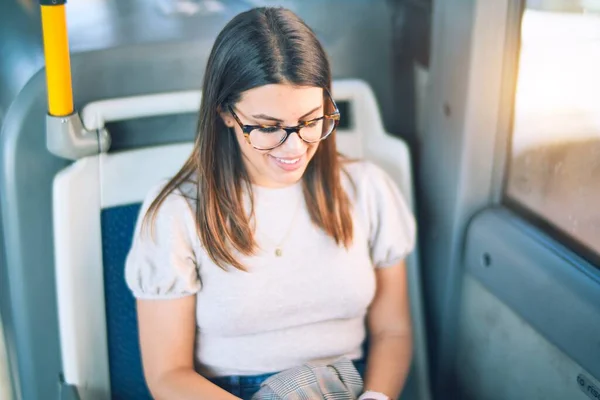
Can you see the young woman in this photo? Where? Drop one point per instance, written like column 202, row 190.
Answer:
column 268, row 249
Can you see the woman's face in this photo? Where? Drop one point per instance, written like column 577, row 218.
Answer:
column 281, row 105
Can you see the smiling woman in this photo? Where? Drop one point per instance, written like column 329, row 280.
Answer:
column 268, row 250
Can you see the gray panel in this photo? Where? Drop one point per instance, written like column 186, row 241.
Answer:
column 502, row 357
column 557, row 292
column 21, row 49
column 26, row 174
column 461, row 153
column 411, row 47
column 439, row 172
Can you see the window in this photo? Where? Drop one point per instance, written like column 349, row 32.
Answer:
column 554, row 171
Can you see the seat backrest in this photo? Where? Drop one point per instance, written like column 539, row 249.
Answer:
column 96, row 204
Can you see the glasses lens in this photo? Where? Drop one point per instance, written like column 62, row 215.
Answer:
column 317, row 130
column 266, row 138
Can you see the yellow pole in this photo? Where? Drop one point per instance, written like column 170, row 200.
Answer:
column 58, row 63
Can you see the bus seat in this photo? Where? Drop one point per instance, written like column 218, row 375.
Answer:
column 96, row 201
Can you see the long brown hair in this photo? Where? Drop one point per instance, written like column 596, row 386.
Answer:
column 258, row 47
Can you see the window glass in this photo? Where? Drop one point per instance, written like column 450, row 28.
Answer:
column 554, row 171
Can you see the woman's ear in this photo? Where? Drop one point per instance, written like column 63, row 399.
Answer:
column 226, row 117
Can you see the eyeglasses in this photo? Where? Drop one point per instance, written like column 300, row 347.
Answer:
column 268, row 137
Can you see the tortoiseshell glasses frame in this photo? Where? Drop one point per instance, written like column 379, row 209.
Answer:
column 247, row 129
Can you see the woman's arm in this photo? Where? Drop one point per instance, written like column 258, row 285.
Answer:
column 167, row 333
column 389, row 323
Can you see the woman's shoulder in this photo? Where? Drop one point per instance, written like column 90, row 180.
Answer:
column 390, row 223
column 165, row 251
column 362, row 174
column 175, row 197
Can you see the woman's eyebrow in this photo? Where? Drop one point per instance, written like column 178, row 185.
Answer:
column 269, row 118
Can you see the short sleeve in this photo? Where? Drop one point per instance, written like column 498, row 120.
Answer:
column 162, row 261
column 392, row 227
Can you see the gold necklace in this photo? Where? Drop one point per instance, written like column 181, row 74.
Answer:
column 278, row 247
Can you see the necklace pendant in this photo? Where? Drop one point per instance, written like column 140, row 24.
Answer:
column 278, row 252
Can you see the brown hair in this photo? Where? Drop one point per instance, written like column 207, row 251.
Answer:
column 258, row 47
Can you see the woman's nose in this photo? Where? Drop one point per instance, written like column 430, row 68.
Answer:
column 293, row 143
